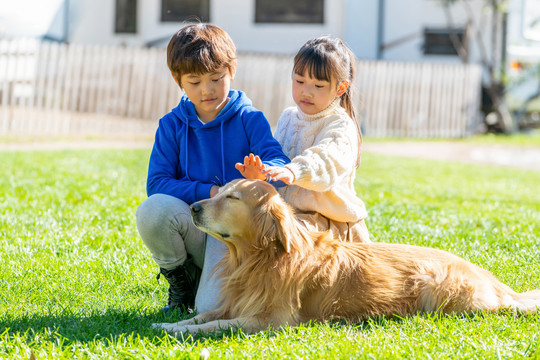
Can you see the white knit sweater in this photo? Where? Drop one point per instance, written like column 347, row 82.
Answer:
column 323, row 149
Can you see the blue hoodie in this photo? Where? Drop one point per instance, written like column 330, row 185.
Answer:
column 190, row 156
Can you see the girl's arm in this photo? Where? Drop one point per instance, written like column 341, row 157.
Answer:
column 253, row 168
column 332, row 156
column 277, row 173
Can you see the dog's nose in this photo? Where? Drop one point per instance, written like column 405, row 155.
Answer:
column 195, row 208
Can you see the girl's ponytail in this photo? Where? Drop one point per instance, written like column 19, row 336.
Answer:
column 347, row 97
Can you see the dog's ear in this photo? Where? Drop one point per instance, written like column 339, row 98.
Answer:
column 283, row 223
column 265, row 226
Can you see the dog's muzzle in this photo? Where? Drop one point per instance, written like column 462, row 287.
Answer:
column 196, row 211
column 199, row 221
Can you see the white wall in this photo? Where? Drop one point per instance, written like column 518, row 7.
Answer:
column 237, row 18
column 92, row 22
column 356, row 21
column 29, row 18
column 360, row 27
column 150, row 26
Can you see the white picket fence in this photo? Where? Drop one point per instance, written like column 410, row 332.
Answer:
column 50, row 89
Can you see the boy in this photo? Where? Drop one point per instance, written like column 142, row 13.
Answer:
column 196, row 148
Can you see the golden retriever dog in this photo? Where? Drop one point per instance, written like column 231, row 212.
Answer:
column 277, row 272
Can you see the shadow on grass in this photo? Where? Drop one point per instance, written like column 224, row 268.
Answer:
column 90, row 327
column 108, row 326
column 113, row 324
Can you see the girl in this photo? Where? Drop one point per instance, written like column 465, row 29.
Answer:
column 322, row 137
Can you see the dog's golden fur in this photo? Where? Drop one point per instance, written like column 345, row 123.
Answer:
column 278, row 273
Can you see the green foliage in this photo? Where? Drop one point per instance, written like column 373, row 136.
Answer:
column 76, row 281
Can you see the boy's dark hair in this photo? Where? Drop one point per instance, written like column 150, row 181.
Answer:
column 200, row 49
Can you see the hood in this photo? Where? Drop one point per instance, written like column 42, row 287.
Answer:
column 185, row 111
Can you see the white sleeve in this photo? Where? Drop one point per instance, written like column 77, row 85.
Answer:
column 332, row 156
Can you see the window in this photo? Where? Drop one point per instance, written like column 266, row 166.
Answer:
column 289, row 11
column 125, row 17
column 439, row 42
column 182, row 10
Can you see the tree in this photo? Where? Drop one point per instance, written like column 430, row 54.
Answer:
column 491, row 61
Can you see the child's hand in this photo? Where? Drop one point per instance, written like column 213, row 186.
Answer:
column 251, row 168
column 214, row 190
column 279, row 173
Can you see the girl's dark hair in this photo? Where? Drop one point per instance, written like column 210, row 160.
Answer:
column 328, row 58
column 200, row 49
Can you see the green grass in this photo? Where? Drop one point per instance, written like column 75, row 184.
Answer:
column 76, row 281
column 524, row 138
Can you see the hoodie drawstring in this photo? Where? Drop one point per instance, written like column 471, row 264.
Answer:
column 187, row 152
column 222, row 156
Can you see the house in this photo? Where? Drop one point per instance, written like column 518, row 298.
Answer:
column 402, row 32
column 412, row 30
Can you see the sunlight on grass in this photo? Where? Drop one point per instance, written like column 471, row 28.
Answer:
column 76, row 281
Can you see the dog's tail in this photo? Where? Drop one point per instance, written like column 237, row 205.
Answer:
column 529, row 302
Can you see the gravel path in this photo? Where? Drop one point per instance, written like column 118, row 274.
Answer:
column 525, row 157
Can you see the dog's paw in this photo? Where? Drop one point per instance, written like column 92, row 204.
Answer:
column 173, row 328
column 164, row 326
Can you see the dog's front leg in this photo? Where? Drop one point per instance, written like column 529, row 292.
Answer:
column 248, row 324
column 198, row 319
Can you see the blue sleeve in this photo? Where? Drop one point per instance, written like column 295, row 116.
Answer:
column 163, row 169
column 262, row 142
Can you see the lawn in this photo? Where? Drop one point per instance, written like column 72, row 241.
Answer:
column 76, row 281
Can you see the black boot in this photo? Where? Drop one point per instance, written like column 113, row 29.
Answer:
column 182, row 288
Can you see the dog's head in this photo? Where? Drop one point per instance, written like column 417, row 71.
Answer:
column 247, row 214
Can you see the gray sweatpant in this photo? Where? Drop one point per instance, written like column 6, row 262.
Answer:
column 166, row 227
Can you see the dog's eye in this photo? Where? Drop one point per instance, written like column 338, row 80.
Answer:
column 230, row 196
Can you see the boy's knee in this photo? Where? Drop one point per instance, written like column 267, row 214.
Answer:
column 155, row 213
column 148, row 212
